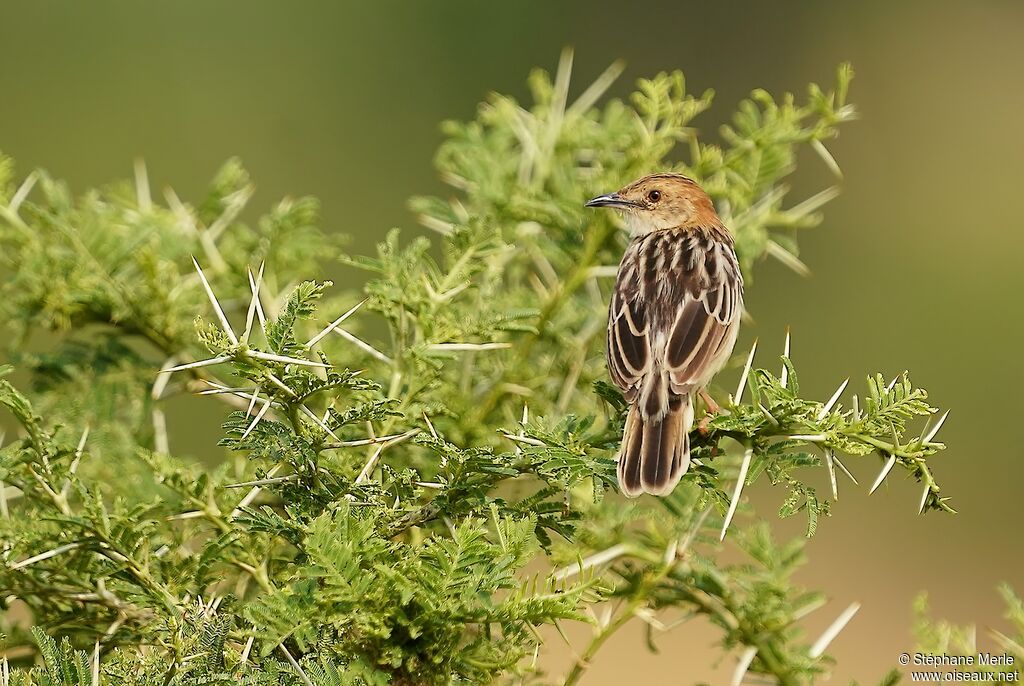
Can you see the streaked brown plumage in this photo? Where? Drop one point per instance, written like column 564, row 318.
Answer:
column 672, row 322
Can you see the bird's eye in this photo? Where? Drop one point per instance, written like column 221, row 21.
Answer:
column 654, row 196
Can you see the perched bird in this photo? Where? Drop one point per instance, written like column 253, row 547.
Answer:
column 672, row 323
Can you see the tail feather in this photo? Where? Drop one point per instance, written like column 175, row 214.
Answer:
column 630, row 458
column 656, row 449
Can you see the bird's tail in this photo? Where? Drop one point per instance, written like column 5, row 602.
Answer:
column 655, row 449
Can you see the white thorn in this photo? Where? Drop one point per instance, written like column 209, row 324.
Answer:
column 810, row 607
column 330, row 327
column 252, row 402
column 162, row 379
column 784, row 377
column 692, row 534
column 247, row 650
column 256, row 420
column 371, row 464
column 364, row 441
column 264, row 482
column 523, row 439
column 833, row 630
column 599, row 558
column 670, row 551
column 744, row 466
column 254, row 286
column 142, row 194
column 742, row 665
column 216, row 305
column 592, row 93
column 606, row 617
column 45, row 556
column 810, row 438
column 444, row 347
column 746, row 372
column 295, row 665
column 830, row 461
column 809, row 205
column 1005, row 642
column 832, row 401
column 251, row 496
column 924, row 498
column 96, row 663
column 924, row 429
column 234, row 204
column 935, row 429
column 430, row 426
column 856, row 408
column 787, row 258
column 80, row 448
column 23, row 190
column 526, row 414
column 271, row 357
column 180, row 211
column 4, row 511
column 280, row 384
column 309, row 413
column 238, row 393
column 845, row 470
column 366, row 347
column 603, row 271
column 194, row 365
column 73, row 468
column 892, row 384
column 884, row 473
column 194, row 514
column 254, row 302
column 220, row 390
column 766, row 413
column 827, row 157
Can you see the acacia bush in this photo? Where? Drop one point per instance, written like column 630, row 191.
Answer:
column 416, row 478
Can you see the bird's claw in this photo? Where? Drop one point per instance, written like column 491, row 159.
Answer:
column 713, row 408
column 702, row 425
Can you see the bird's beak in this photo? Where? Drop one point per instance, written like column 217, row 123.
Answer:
column 610, row 200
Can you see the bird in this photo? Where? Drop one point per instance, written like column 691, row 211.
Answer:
column 673, row 320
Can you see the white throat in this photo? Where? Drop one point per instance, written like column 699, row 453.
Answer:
column 643, row 223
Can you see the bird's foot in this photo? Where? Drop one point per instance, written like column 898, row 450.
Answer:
column 702, row 425
column 713, row 408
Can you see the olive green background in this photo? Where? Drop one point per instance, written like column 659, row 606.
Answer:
column 916, row 265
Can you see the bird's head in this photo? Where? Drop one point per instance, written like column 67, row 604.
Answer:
column 661, row 201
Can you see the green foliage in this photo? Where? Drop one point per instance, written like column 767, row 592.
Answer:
column 943, row 638
column 412, row 507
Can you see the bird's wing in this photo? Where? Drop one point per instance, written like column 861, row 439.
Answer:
column 708, row 309
column 691, row 305
column 629, row 353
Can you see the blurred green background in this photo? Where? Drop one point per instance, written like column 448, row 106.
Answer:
column 916, row 265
